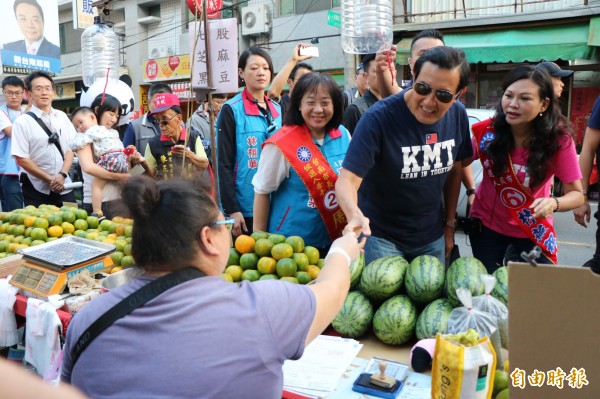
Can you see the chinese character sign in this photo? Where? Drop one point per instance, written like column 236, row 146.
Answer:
column 223, row 56
column 83, row 14
column 30, row 36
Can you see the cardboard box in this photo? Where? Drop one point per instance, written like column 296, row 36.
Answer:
column 554, row 322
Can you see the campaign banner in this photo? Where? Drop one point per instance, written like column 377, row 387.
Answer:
column 223, row 55
column 175, row 67
column 30, row 36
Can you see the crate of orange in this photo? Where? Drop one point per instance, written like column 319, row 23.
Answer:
column 265, row 256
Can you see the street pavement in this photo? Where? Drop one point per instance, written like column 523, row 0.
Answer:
column 576, row 244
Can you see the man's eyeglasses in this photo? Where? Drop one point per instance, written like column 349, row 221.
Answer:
column 227, row 222
column 444, row 96
column 8, row 93
column 165, row 122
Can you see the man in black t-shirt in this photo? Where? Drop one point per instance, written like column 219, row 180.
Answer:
column 404, row 153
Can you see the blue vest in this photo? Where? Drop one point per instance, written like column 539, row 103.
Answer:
column 250, row 133
column 292, row 211
column 8, row 166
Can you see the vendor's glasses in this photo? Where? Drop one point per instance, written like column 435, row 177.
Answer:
column 165, row 122
column 444, row 96
column 227, row 222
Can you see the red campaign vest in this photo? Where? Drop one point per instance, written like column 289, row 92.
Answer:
column 514, row 196
column 315, row 172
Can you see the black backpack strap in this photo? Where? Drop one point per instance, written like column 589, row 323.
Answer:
column 135, row 300
column 48, row 132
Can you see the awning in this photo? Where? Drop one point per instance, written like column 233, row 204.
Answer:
column 565, row 42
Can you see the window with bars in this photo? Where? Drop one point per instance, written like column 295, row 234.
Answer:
column 291, row 7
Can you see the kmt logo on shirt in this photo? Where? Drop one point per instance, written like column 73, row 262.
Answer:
column 303, row 154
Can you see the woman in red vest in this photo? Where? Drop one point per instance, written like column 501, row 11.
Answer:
column 521, row 149
column 295, row 184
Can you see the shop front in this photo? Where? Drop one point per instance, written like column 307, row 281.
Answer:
column 492, row 53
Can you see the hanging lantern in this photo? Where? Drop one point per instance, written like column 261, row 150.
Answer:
column 195, row 7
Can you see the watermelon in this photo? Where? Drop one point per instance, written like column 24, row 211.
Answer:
column 424, row 279
column 464, row 272
column 395, row 320
column 434, row 319
column 382, row 278
column 355, row 317
column 500, row 291
column 356, row 269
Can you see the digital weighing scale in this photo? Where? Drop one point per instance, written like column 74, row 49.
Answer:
column 45, row 268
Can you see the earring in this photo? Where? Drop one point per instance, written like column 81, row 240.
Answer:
column 541, row 114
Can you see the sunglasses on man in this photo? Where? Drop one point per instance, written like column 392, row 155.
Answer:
column 444, row 96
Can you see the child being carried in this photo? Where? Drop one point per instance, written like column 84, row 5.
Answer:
column 109, row 152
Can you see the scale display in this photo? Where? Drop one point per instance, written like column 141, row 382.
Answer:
column 46, row 268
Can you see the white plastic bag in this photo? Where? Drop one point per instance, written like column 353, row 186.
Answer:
column 8, row 323
column 487, row 303
column 465, row 317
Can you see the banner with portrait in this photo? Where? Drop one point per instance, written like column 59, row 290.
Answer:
column 30, row 38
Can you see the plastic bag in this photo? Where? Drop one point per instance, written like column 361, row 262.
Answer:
column 463, row 318
column 493, row 306
column 463, row 368
column 8, row 323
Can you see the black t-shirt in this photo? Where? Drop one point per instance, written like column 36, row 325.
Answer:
column 284, row 103
column 404, row 164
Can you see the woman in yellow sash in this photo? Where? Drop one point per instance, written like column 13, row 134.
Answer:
column 521, row 149
column 295, row 183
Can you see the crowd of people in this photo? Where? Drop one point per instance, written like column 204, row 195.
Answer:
column 377, row 168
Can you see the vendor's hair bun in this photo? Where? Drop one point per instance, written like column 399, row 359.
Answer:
column 141, row 195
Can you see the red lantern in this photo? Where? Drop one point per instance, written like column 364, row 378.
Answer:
column 195, row 7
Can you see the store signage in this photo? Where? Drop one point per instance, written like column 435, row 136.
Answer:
column 175, row 67
column 83, row 14
column 334, row 19
column 223, row 55
column 64, row 91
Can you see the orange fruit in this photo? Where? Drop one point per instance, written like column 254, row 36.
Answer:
column 80, row 224
column 4, row 227
column 41, row 223
column 69, row 216
column 235, row 271
column 257, row 235
column 116, row 269
column 128, row 231
column 266, row 265
column 3, row 246
column 269, row 277
column 68, row 227
column 27, row 232
column 127, row 249
column 55, row 231
column 313, row 271
column 263, row 247
column 250, row 275
column 303, row 277
column 301, row 260
column 37, row 242
column 286, row 267
column 244, row 244
column 38, row 234
column 313, row 254
column 296, row 242
column 92, row 222
column 227, row 277
column 234, row 257
column 81, row 214
column 55, row 220
column 116, row 257
column 277, row 238
column 19, row 230
column 292, row 280
column 120, row 229
column 118, row 219
column 281, row 251
column 249, row 261
column 127, row 260
column 29, row 220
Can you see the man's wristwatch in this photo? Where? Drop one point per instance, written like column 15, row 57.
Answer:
column 470, row 191
column 63, row 174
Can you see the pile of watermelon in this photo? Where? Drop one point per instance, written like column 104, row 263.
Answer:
column 400, row 300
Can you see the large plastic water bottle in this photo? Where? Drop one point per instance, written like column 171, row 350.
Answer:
column 367, row 26
column 99, row 52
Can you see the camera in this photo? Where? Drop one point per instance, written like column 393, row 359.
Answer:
column 53, row 138
column 471, row 225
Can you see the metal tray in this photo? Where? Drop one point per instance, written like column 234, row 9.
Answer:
column 67, row 251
